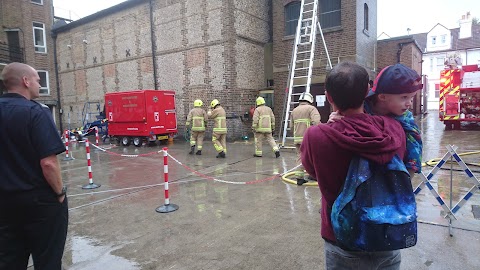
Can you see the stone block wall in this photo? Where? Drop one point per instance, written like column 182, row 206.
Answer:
column 205, row 49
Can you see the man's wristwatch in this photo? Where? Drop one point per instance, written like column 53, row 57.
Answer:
column 63, row 192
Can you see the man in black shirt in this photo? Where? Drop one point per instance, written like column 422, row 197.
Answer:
column 34, row 210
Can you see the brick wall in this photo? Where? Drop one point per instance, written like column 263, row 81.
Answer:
column 345, row 43
column 410, row 55
column 204, row 49
column 20, row 15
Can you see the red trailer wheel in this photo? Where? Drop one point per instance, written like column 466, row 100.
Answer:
column 125, row 141
column 137, row 141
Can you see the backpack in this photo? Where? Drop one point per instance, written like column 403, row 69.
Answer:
column 376, row 210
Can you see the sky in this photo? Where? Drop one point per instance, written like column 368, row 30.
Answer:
column 393, row 16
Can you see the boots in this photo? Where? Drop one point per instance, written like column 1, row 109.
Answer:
column 301, row 181
column 221, row 155
column 192, row 150
column 199, row 152
column 277, row 154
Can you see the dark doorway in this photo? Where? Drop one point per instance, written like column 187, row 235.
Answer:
column 318, row 93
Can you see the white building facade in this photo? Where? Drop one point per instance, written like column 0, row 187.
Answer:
column 442, row 46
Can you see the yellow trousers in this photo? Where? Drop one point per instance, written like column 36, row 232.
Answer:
column 300, row 171
column 220, row 142
column 196, row 138
column 259, row 137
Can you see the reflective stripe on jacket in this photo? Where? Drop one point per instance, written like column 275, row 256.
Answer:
column 263, row 119
column 303, row 116
column 219, row 117
column 198, row 117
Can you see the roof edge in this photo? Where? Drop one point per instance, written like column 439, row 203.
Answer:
column 98, row 15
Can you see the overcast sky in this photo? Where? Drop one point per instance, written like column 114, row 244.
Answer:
column 394, row 17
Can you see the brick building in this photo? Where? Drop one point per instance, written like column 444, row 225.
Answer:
column 232, row 50
column 350, row 30
column 202, row 49
column 407, row 51
column 25, row 37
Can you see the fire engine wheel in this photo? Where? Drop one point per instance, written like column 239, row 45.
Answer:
column 452, row 125
column 125, row 141
column 137, row 141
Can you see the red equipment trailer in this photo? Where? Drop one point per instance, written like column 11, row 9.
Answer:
column 141, row 115
column 460, row 96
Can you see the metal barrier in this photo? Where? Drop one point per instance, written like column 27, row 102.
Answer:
column 450, row 210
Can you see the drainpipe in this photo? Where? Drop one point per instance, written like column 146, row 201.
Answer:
column 154, row 47
column 55, row 63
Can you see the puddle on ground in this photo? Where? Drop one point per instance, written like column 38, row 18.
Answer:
column 86, row 254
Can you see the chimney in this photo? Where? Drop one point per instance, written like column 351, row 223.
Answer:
column 465, row 26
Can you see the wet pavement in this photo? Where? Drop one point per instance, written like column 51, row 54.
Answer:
column 234, row 214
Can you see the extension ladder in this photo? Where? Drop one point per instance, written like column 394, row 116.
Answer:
column 300, row 71
column 91, row 109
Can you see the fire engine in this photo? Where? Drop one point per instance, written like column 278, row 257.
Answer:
column 141, row 115
column 460, row 96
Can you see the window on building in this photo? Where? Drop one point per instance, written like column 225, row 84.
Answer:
column 44, row 86
column 434, row 40
column 330, row 13
column 437, row 90
column 440, row 63
column 292, row 12
column 40, row 2
column 365, row 17
column 39, row 40
column 431, row 64
column 443, row 39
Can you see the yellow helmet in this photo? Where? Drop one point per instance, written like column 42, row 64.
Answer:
column 214, row 103
column 197, row 103
column 260, row 101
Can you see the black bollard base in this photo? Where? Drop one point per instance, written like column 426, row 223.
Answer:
column 91, row 186
column 167, row 208
column 68, row 158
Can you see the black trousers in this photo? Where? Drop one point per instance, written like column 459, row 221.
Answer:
column 32, row 222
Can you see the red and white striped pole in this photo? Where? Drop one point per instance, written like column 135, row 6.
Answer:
column 167, row 207
column 67, row 139
column 96, row 136
column 90, row 185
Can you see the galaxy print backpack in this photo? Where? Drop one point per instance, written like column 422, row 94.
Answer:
column 376, row 210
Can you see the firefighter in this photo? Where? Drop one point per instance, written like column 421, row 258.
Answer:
column 198, row 117
column 263, row 125
column 219, row 134
column 303, row 116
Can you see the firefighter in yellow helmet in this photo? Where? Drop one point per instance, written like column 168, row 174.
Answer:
column 219, row 134
column 198, row 117
column 263, row 125
column 303, row 116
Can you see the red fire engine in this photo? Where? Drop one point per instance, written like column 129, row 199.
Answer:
column 460, row 96
column 141, row 115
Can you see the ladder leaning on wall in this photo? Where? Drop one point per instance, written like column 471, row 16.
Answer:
column 300, row 71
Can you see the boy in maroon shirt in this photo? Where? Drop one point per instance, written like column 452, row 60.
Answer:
column 327, row 150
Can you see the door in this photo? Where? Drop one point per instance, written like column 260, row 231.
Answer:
column 320, row 101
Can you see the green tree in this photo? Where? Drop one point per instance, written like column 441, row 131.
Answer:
column 475, row 20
